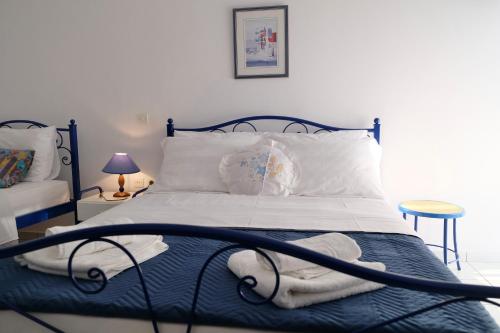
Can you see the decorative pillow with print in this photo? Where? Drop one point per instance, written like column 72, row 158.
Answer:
column 265, row 169
column 14, row 165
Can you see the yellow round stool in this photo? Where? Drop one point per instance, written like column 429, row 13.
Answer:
column 436, row 210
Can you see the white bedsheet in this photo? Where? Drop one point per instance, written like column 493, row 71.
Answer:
column 8, row 229
column 28, row 197
column 292, row 212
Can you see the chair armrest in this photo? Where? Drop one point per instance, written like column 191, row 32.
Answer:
column 143, row 189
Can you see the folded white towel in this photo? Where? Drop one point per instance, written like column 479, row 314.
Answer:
column 110, row 259
column 293, row 292
column 64, row 250
column 333, row 244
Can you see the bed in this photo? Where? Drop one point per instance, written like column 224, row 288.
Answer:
column 34, row 202
column 190, row 284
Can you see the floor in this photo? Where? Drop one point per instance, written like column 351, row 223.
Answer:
column 487, row 274
column 38, row 230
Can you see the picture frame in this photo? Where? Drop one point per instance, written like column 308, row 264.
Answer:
column 260, row 42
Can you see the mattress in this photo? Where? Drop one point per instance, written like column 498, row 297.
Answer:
column 377, row 227
column 261, row 212
column 29, row 197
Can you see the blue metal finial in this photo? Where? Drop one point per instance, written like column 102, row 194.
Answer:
column 170, row 127
column 376, row 129
column 72, row 121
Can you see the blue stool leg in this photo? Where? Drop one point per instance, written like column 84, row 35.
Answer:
column 415, row 225
column 445, row 242
column 404, row 216
column 455, row 243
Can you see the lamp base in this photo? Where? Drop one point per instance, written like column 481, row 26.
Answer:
column 121, row 194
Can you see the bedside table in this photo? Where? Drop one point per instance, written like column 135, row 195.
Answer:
column 95, row 204
column 436, row 210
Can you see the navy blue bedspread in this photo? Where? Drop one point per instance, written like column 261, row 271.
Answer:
column 171, row 280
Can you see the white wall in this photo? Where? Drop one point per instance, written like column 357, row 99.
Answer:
column 430, row 69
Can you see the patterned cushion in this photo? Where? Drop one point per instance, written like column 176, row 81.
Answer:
column 14, row 165
column 266, row 169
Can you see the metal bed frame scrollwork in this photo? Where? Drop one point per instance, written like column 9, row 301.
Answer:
column 240, row 239
column 69, row 158
column 304, row 125
column 458, row 292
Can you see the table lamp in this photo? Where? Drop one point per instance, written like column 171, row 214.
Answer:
column 121, row 164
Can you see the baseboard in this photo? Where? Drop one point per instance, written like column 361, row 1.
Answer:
column 481, row 256
column 467, row 256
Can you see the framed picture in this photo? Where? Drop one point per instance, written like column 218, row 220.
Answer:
column 260, row 42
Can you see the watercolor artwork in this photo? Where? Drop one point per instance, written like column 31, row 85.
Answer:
column 260, row 42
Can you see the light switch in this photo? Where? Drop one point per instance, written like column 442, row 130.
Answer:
column 143, row 117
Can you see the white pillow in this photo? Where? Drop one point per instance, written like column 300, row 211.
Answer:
column 342, row 167
column 265, row 169
column 42, row 141
column 56, row 162
column 343, row 163
column 318, row 137
column 192, row 163
column 214, row 134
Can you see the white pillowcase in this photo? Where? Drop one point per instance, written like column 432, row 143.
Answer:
column 341, row 163
column 265, row 169
column 192, row 163
column 56, row 162
column 43, row 142
column 341, row 166
column 318, row 137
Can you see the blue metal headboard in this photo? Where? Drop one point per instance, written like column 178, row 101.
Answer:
column 375, row 130
column 72, row 159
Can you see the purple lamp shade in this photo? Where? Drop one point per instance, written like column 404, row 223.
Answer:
column 121, row 163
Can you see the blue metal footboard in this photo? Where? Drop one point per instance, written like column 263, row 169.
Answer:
column 239, row 239
column 69, row 158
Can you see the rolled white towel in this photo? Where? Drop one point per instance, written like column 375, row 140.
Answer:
column 64, row 250
column 333, row 244
column 295, row 293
